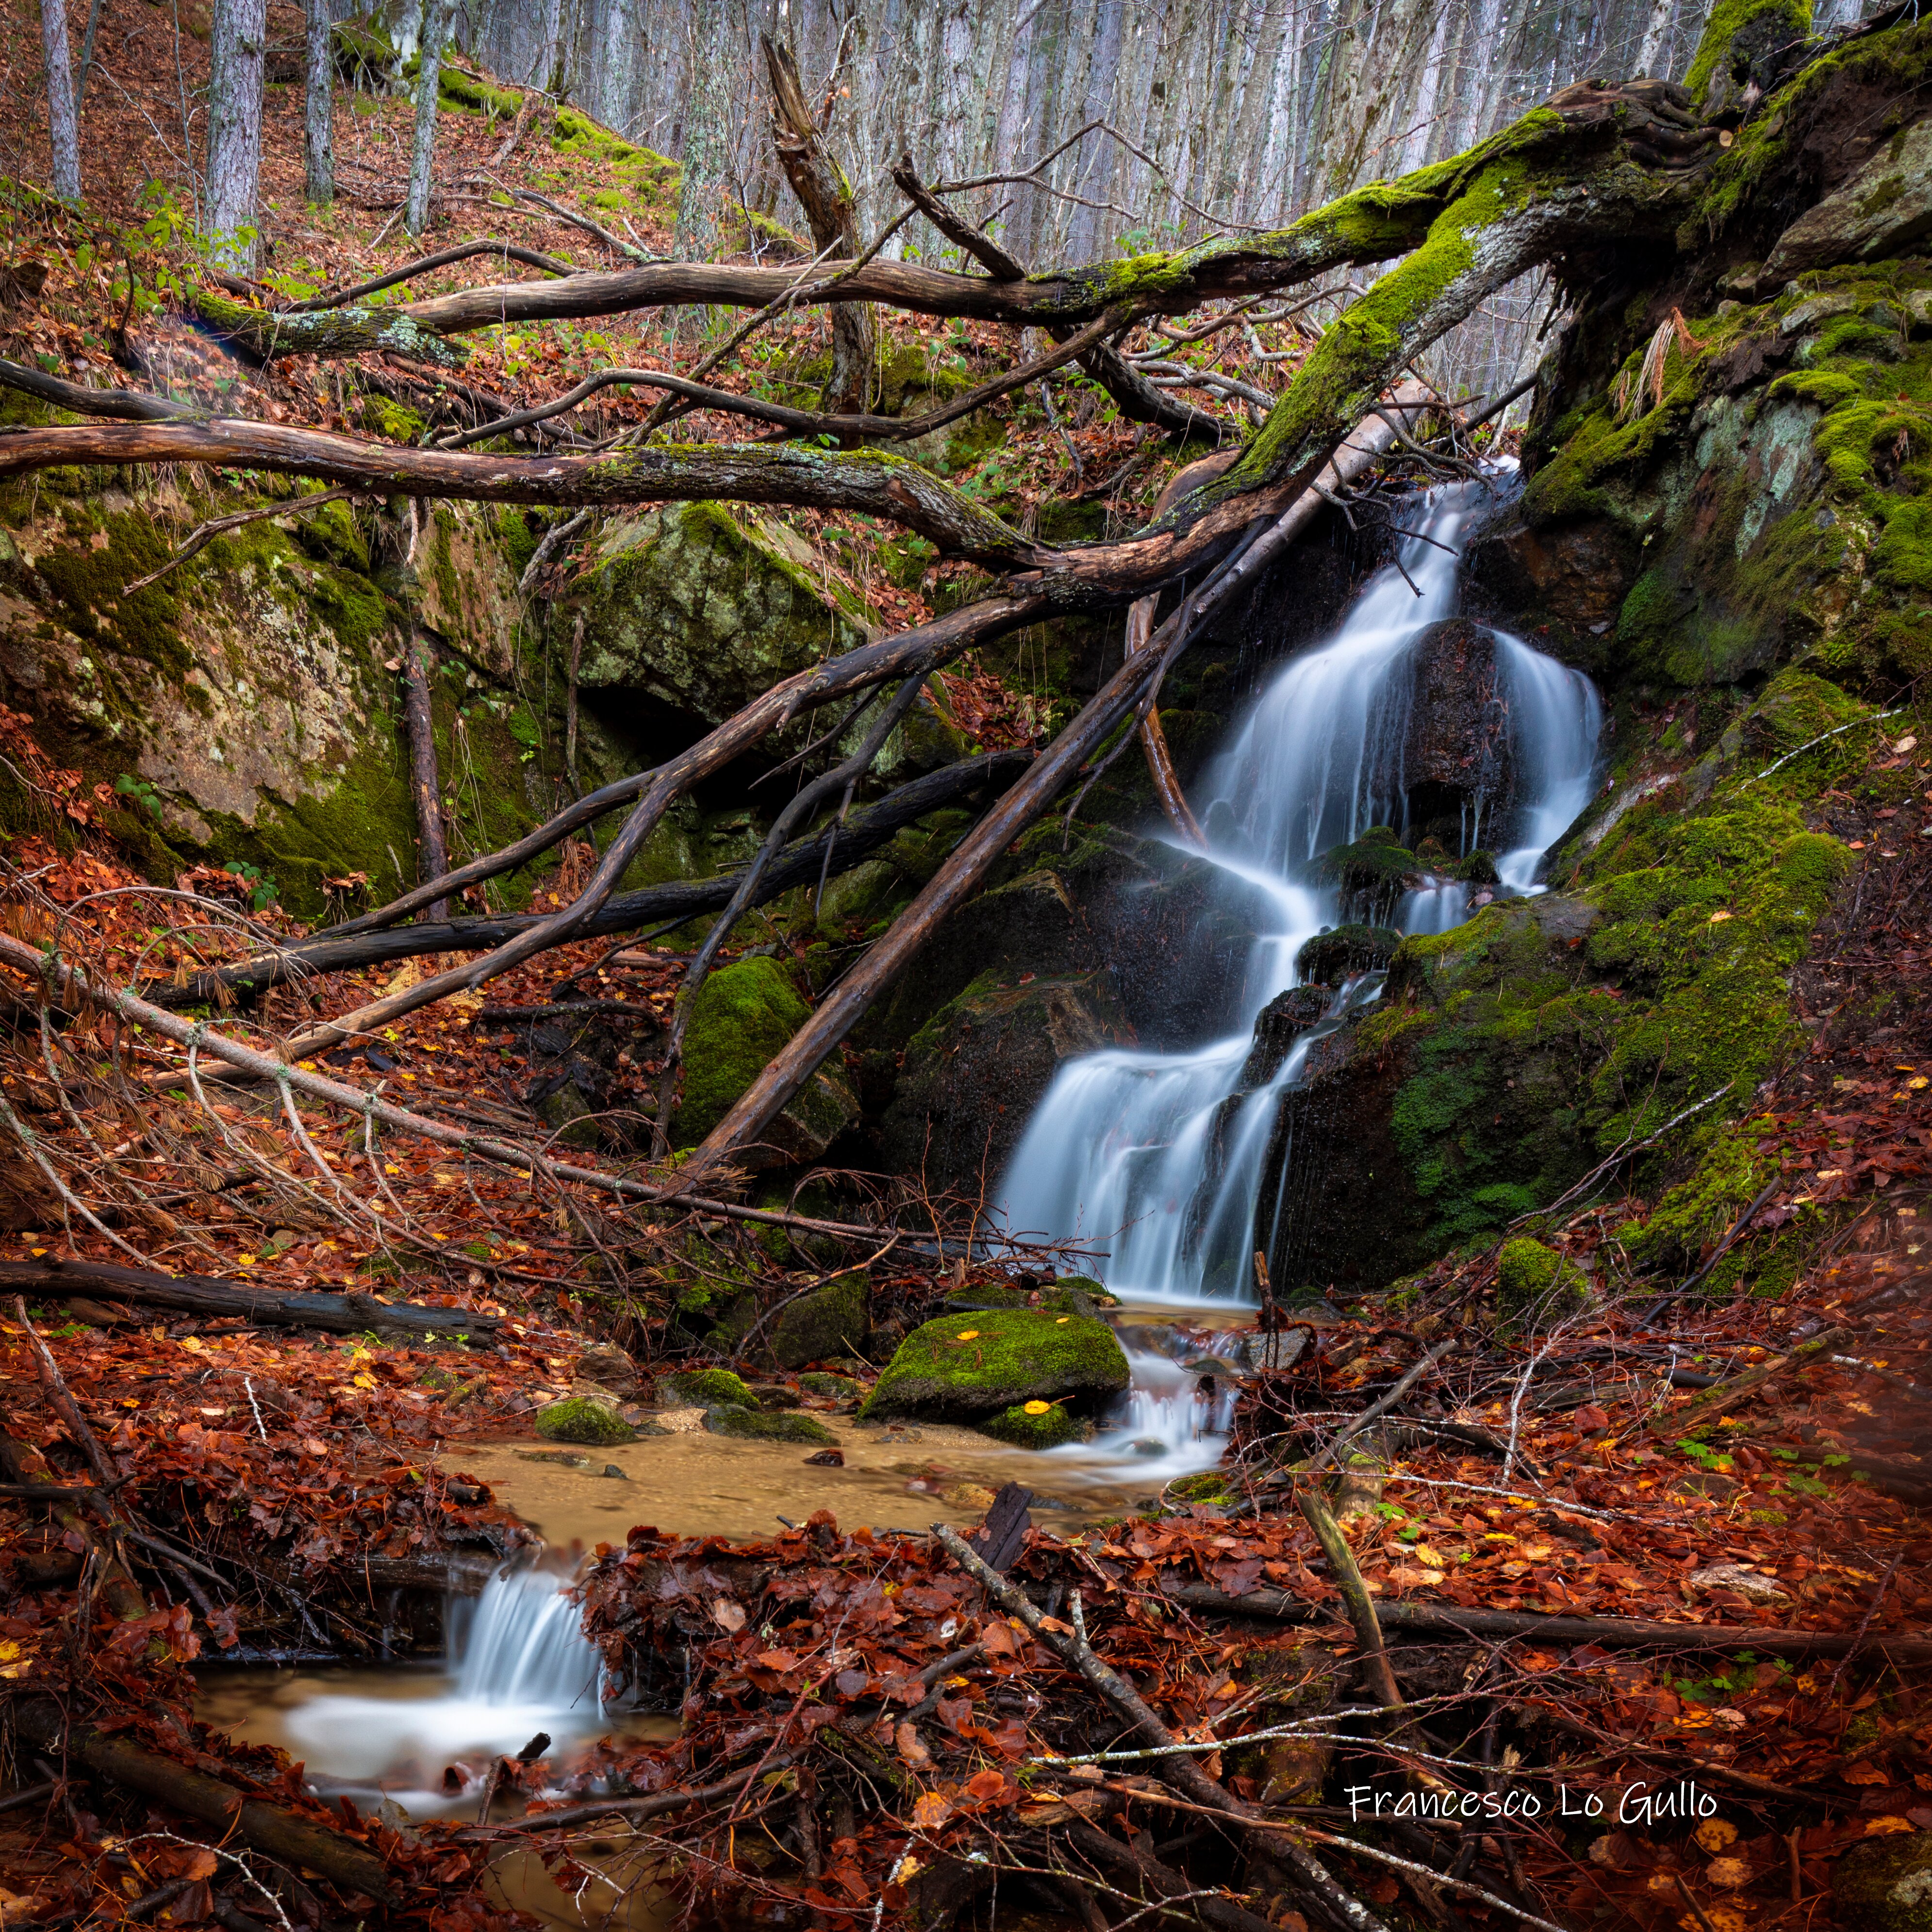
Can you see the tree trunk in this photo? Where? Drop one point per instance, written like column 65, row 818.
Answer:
column 318, row 118
column 825, row 196
column 438, row 18
column 87, row 41
column 432, row 853
column 236, row 64
column 706, row 149
column 63, row 122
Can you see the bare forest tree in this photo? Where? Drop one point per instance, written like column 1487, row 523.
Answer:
column 438, row 18
column 63, row 115
column 318, row 105
column 235, row 74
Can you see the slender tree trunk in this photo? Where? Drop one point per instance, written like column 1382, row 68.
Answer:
column 86, row 57
column 234, row 128
column 63, row 122
column 432, row 854
column 318, row 105
column 438, row 18
column 825, row 196
column 700, row 198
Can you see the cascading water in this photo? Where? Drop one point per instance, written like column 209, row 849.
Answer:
column 522, row 1665
column 1159, row 1157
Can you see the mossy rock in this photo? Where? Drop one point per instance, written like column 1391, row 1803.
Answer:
column 1885, row 1884
column 1478, row 869
column 967, row 1367
column 1533, row 1281
column 832, row 1388
column 702, row 1388
column 749, row 1425
column 1330, row 956
column 1076, row 1294
column 744, row 1015
column 579, row 1418
column 1209, row 1486
column 1375, row 869
column 833, row 1320
column 1037, row 1425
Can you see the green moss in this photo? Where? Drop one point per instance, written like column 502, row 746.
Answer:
column 1535, row 1282
column 744, row 1015
column 1054, row 1424
column 830, row 1321
column 1885, row 1884
column 579, row 1418
column 705, row 1388
column 1742, row 30
column 472, row 93
column 971, row 1366
column 1702, row 1208
column 767, row 1425
column 391, row 420
column 833, row 1388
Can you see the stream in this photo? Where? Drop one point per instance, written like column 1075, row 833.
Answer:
column 1117, row 1154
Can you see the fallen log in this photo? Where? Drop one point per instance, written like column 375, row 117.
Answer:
column 350, row 1314
column 277, row 1834
column 459, row 1575
column 1613, row 1633
column 798, row 864
column 1709, row 1407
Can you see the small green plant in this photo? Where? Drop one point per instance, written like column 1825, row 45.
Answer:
column 263, row 889
column 139, row 791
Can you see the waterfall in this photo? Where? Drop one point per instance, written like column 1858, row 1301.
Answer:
column 1158, row 1157
column 521, row 1663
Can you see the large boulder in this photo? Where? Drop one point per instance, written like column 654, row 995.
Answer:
column 1885, row 208
column 1331, row 957
column 829, row 1323
column 965, row 1367
column 745, row 1014
column 1456, row 754
column 971, row 1076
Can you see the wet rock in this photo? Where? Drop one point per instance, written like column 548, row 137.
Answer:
column 704, row 1387
column 1574, row 574
column 1373, row 873
column 1885, row 1884
column 749, row 1425
column 1037, row 1425
column 833, row 1320
column 1330, row 958
column 580, row 1419
column 964, row 1367
column 971, row 1076
column 826, row 1458
column 744, row 1015
column 1456, row 755
column 1884, row 209
column 832, row 1388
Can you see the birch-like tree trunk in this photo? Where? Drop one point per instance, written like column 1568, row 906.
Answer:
column 318, row 106
column 63, row 123
column 236, row 62
column 700, row 198
column 438, row 17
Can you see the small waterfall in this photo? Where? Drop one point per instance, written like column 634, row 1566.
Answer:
column 520, row 1664
column 1158, row 1157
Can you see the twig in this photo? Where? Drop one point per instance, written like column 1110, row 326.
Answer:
column 1381, row 1406
column 61, row 1401
column 1876, row 718
column 1361, row 1606
column 199, row 539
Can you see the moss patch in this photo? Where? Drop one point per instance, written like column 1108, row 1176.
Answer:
column 705, row 1388
column 579, row 1418
column 744, row 1015
column 1036, row 1425
column 768, row 1426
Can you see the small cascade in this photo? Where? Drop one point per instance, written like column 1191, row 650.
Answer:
column 1160, row 1157
column 520, row 1664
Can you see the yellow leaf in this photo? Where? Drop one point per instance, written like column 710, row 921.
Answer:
column 365, row 1380
column 1718, row 918
column 967, row 1335
column 1062, row 1322
column 192, row 1343
column 246, row 1261
column 1715, row 1834
column 1880, row 1827
column 931, row 1811
column 1037, row 1408
column 1915, row 1084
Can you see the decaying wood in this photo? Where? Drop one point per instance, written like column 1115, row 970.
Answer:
column 351, row 1314
column 425, row 783
column 1708, row 1407
column 270, row 1829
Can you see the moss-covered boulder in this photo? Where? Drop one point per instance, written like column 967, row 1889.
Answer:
column 749, row 1425
column 743, row 1016
column 832, row 1388
column 1885, row 1884
column 1037, row 1425
column 832, row 1320
column 1331, row 957
column 579, row 1418
column 965, row 1367
column 703, row 1388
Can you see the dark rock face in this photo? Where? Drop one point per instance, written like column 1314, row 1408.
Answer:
column 972, row 1075
column 1456, row 756
column 1277, row 1026
column 1329, row 958
column 1572, row 575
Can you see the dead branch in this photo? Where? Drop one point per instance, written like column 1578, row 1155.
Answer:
column 204, row 534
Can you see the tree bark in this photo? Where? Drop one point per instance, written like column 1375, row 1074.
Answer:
column 203, row 1294
column 318, row 106
column 63, row 115
column 432, row 853
column 235, row 73
column 706, row 152
column 439, row 16
column 825, row 196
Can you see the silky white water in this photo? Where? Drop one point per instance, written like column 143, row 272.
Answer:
column 1158, row 1157
column 521, row 1664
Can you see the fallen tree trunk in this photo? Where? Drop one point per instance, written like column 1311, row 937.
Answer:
column 352, row 1314
column 798, row 864
column 277, row 1834
column 1613, row 1633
